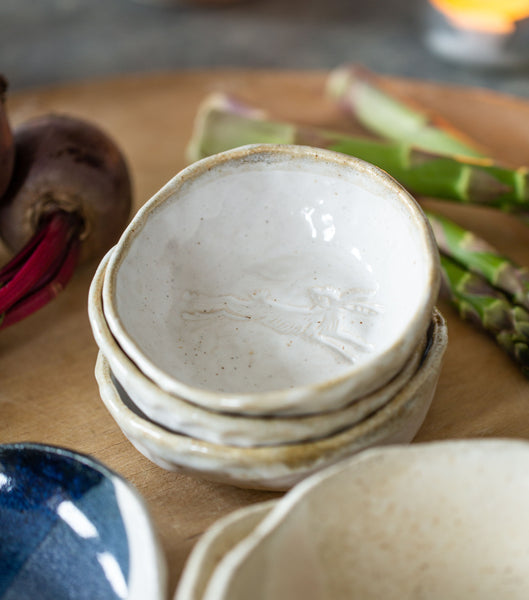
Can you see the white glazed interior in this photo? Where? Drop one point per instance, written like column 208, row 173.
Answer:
column 182, row 416
column 272, row 268
column 439, row 520
column 278, row 467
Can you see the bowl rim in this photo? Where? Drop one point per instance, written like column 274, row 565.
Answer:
column 142, row 580
column 356, row 380
column 205, row 550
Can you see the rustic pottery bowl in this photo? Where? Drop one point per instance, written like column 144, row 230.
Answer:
column 183, row 417
column 278, row 467
column 273, row 278
column 439, row 520
column 71, row 528
column 220, row 538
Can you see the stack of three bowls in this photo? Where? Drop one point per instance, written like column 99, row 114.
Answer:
column 267, row 313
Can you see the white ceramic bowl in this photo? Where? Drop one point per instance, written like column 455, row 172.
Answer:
column 439, row 520
column 272, row 278
column 183, row 417
column 218, row 540
column 278, row 467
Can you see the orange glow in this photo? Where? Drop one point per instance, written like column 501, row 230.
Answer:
column 491, row 16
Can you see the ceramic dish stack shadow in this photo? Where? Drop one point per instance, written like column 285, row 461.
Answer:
column 268, row 312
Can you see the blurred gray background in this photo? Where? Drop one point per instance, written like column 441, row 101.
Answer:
column 46, row 42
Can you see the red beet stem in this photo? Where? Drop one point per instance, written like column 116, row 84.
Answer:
column 41, row 296
column 10, row 269
column 42, row 262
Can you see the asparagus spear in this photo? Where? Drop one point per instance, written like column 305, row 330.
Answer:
column 480, row 257
column 481, row 303
column 223, row 124
column 366, row 96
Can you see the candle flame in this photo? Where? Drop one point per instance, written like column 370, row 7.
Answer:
column 489, row 16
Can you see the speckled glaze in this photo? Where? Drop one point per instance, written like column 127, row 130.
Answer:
column 439, row 520
column 272, row 278
column 183, row 417
column 71, row 528
column 278, row 467
column 218, row 540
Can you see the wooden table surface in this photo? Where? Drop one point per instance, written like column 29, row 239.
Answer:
column 48, row 392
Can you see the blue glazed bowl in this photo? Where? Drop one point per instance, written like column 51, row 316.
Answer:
column 71, row 528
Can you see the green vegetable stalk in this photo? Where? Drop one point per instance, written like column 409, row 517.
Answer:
column 223, row 123
column 481, row 303
column 481, row 258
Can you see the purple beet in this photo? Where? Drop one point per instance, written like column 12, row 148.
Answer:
column 69, row 199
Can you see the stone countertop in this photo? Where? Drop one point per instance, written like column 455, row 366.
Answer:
column 57, row 41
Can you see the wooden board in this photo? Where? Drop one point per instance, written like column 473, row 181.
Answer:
column 48, row 392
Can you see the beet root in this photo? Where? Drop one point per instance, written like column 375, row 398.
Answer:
column 64, row 163
column 68, row 200
column 7, row 147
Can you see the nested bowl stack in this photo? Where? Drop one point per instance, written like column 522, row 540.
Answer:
column 268, row 312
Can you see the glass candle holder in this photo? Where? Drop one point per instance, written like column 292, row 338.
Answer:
column 488, row 33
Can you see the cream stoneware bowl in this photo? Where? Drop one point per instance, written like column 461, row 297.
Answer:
column 278, row 467
column 218, row 540
column 273, row 278
column 183, row 417
column 439, row 520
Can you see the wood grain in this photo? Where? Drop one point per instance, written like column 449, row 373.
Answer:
column 48, row 391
